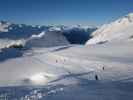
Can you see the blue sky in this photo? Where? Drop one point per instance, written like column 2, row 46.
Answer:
column 67, row 12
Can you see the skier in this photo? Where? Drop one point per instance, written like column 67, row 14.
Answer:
column 96, row 77
column 103, row 68
column 56, row 61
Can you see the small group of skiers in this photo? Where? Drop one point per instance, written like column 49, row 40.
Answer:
column 57, row 60
column 96, row 76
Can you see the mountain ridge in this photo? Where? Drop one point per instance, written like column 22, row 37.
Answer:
column 120, row 29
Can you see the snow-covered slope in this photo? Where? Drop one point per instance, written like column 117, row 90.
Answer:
column 47, row 39
column 30, row 71
column 75, row 34
column 121, row 29
column 68, row 72
column 21, row 34
column 66, row 65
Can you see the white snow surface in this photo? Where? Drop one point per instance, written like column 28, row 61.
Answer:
column 121, row 29
column 56, row 65
column 72, row 69
column 38, row 36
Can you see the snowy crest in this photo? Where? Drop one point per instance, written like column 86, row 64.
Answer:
column 121, row 29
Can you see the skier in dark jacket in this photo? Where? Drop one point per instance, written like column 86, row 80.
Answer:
column 103, row 68
column 96, row 77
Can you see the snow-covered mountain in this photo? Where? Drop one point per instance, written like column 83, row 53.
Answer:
column 47, row 39
column 11, row 34
column 4, row 26
column 121, row 29
column 75, row 34
column 62, row 71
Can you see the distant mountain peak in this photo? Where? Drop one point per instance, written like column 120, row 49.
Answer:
column 130, row 15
